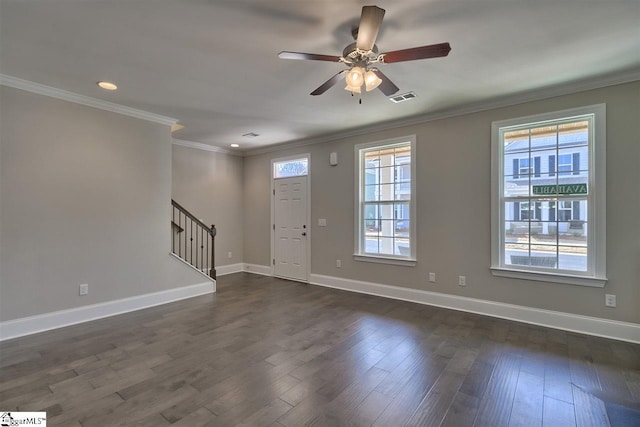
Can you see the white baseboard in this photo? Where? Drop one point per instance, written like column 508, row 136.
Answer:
column 553, row 319
column 223, row 270
column 265, row 270
column 58, row 319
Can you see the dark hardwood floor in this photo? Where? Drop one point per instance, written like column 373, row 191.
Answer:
column 264, row 351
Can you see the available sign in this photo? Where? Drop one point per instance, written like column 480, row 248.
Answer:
column 549, row 190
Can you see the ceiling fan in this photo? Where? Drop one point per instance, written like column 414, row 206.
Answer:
column 361, row 56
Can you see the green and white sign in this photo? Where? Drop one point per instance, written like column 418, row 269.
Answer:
column 549, row 190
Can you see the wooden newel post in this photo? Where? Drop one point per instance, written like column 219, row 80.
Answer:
column 212, row 270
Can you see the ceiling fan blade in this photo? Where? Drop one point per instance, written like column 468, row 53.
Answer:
column 370, row 22
column 422, row 52
column 308, row 56
column 329, row 83
column 387, row 87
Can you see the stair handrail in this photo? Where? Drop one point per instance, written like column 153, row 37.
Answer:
column 211, row 232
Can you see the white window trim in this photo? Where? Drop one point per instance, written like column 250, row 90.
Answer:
column 385, row 259
column 596, row 274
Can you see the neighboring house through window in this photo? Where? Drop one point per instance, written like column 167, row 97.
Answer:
column 547, row 170
column 385, row 207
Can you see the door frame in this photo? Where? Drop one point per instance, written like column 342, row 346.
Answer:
column 273, row 210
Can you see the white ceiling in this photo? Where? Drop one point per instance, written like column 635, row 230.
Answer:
column 213, row 65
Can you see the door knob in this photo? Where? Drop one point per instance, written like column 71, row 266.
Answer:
column 304, row 234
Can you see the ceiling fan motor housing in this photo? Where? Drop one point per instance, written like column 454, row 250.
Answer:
column 351, row 54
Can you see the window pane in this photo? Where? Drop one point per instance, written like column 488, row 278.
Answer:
column 516, row 186
column 402, row 227
column 372, row 159
column 289, row 168
column 371, row 243
column 387, row 175
column 371, row 216
column 386, row 246
column 517, row 254
column 386, row 211
column 574, row 134
column 402, row 247
column 371, row 176
column 516, row 232
column 403, row 191
column 403, row 172
column 386, row 157
column 544, row 233
column 512, row 211
column 544, row 256
column 572, row 258
column 387, row 228
column 402, row 211
column 544, row 137
column 573, row 161
column 385, row 192
column 516, row 141
column 573, row 233
column 371, row 193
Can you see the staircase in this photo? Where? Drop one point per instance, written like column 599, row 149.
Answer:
column 192, row 240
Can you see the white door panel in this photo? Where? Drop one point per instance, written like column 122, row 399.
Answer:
column 291, row 229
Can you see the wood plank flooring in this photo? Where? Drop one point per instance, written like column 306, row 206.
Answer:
column 269, row 352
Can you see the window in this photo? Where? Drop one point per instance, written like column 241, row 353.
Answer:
column 548, row 224
column 289, row 168
column 385, row 208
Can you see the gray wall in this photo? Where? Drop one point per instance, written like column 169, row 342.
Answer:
column 454, row 209
column 85, row 199
column 209, row 185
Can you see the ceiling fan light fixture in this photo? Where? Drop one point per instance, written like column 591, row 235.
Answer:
column 355, row 77
column 371, row 80
column 353, row 89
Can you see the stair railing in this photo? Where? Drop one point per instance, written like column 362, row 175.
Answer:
column 192, row 240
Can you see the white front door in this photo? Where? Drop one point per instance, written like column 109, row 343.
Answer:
column 291, row 230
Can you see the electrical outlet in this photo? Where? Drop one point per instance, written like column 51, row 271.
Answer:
column 84, row 289
column 432, row 277
column 462, row 280
column 229, row 255
column 338, row 263
column 610, row 300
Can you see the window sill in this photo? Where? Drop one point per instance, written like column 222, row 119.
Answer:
column 407, row 262
column 565, row 279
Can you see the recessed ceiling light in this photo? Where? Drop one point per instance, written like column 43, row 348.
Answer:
column 107, row 85
column 235, row 145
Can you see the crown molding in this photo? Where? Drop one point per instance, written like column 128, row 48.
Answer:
column 506, row 101
column 53, row 92
column 205, row 147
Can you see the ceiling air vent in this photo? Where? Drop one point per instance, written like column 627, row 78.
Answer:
column 401, row 98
